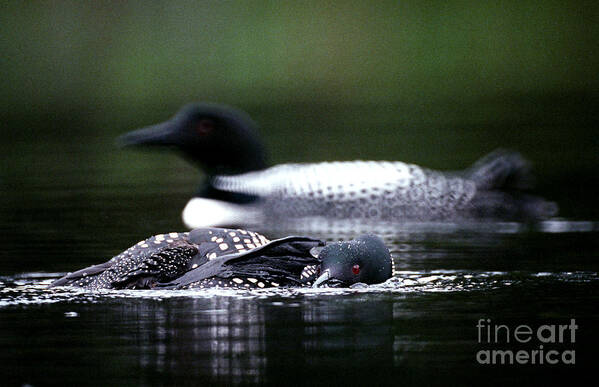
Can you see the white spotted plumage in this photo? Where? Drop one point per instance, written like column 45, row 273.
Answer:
column 163, row 254
column 353, row 190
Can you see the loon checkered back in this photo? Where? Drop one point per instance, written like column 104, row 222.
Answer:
column 359, row 189
column 391, row 190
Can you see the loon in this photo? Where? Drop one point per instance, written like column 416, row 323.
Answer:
column 241, row 190
column 237, row 259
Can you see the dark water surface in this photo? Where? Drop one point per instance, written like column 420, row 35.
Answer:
column 417, row 328
column 69, row 204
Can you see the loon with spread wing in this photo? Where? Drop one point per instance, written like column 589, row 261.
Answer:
column 237, row 259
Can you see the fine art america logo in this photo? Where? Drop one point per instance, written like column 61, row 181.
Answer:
column 544, row 344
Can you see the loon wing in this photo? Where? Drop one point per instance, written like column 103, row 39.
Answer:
column 281, row 259
column 161, row 266
column 162, row 258
column 136, row 271
column 83, row 276
column 104, row 274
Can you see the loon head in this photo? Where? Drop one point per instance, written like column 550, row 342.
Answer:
column 365, row 259
column 218, row 138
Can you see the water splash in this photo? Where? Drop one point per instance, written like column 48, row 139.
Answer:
column 32, row 288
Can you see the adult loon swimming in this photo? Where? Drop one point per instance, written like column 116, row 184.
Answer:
column 237, row 259
column 240, row 189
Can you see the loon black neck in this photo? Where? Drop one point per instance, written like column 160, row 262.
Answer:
column 209, row 191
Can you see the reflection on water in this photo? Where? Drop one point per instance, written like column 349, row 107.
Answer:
column 222, row 338
column 414, row 321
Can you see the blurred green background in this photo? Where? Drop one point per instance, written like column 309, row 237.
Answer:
column 127, row 55
column 435, row 83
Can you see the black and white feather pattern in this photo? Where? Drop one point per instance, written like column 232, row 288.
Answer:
column 393, row 191
column 162, row 258
column 277, row 263
column 357, row 189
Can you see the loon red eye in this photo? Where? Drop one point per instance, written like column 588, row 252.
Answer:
column 205, row 127
column 355, row 269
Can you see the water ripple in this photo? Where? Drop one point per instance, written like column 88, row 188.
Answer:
column 32, row 288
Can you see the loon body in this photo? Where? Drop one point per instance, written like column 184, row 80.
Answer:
column 236, row 259
column 240, row 189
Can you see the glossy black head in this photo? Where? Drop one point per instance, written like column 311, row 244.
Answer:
column 365, row 259
column 220, row 139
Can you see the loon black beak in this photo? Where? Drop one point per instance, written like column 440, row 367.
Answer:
column 322, row 278
column 161, row 134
